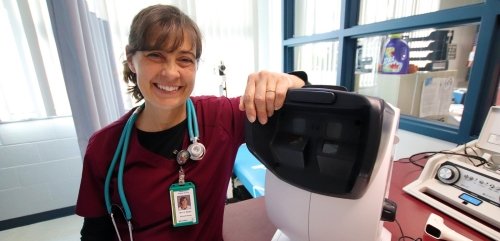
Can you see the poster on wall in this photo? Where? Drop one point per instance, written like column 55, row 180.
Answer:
column 436, row 97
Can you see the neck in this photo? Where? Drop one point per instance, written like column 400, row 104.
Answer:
column 153, row 119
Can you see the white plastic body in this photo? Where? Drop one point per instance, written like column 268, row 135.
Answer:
column 301, row 215
column 446, row 232
column 489, row 138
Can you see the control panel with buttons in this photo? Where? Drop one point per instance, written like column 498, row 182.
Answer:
column 475, row 184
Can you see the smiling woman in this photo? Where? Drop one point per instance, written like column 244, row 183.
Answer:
column 88, row 43
column 159, row 144
column 171, row 51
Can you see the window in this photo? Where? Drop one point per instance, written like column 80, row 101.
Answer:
column 378, row 11
column 434, row 81
column 467, row 64
column 316, row 16
column 320, row 59
column 32, row 85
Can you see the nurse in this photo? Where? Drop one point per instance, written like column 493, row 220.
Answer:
column 174, row 145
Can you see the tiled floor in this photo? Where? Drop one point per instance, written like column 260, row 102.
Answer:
column 61, row 229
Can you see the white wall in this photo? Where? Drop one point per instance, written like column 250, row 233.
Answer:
column 40, row 166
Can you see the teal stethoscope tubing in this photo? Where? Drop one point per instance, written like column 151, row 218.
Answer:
column 121, row 151
column 192, row 121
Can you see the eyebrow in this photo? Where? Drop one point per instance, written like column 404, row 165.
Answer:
column 179, row 51
column 187, row 52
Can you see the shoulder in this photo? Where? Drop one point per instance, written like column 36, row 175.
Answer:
column 217, row 107
column 215, row 101
column 102, row 143
column 109, row 132
column 218, row 115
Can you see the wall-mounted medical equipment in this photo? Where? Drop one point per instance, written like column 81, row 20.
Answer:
column 223, row 84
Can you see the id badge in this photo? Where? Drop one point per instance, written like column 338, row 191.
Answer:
column 183, row 204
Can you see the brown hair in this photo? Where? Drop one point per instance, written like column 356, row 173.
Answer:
column 166, row 23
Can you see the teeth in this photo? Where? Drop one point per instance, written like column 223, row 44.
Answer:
column 168, row 88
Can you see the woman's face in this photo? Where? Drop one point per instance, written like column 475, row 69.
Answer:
column 184, row 203
column 166, row 79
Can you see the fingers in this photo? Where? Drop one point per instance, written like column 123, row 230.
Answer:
column 256, row 101
column 270, row 96
column 282, row 87
column 265, row 92
column 247, row 100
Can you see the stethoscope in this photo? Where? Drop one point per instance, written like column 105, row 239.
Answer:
column 195, row 151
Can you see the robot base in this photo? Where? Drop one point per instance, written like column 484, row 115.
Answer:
column 385, row 235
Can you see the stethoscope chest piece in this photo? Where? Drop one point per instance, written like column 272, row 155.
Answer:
column 196, row 150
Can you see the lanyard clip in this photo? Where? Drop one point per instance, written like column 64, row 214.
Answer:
column 181, row 176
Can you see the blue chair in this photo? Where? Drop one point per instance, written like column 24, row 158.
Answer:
column 250, row 172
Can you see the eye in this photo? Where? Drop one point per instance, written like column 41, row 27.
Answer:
column 155, row 56
column 186, row 61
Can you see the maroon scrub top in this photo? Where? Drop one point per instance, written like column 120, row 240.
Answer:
column 148, row 176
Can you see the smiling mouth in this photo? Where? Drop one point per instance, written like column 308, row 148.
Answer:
column 167, row 88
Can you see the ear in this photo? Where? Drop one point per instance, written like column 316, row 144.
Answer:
column 129, row 59
column 130, row 65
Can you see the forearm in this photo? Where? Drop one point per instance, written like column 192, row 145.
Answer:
column 97, row 229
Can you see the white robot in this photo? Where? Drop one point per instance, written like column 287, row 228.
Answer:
column 329, row 159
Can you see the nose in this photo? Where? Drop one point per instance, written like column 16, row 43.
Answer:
column 170, row 69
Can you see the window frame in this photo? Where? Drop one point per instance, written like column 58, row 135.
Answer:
column 484, row 73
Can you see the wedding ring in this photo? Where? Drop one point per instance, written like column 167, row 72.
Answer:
column 270, row 91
